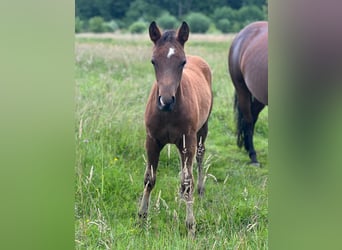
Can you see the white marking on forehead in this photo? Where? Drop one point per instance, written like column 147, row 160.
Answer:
column 171, row 52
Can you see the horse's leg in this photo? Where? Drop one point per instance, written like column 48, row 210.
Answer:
column 247, row 124
column 257, row 107
column 201, row 136
column 153, row 149
column 187, row 149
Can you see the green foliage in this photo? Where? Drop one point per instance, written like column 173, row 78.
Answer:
column 142, row 10
column 108, row 9
column 265, row 9
column 138, row 27
column 96, row 24
column 224, row 25
column 254, row 2
column 237, row 18
column 248, row 14
column 111, row 26
column 125, row 12
column 136, row 10
column 224, row 13
column 79, row 25
column 213, row 29
column 167, row 21
column 236, row 27
column 86, row 9
column 118, row 9
column 198, row 22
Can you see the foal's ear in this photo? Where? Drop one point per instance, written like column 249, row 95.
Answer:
column 154, row 32
column 183, row 33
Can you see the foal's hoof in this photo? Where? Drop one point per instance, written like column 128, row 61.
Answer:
column 201, row 192
column 140, row 222
column 142, row 215
column 191, row 234
column 255, row 164
column 191, row 227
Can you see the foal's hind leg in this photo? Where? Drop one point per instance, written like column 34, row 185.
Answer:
column 201, row 136
column 153, row 152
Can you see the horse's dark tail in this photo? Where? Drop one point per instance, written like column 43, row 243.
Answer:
column 239, row 122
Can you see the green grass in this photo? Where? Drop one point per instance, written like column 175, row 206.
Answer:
column 113, row 79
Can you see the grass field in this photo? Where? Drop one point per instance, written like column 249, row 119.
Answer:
column 113, row 78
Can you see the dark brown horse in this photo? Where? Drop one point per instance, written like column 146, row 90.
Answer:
column 248, row 67
column 177, row 112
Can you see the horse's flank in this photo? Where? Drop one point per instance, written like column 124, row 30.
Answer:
column 250, row 49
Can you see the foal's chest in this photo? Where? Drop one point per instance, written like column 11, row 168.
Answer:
column 168, row 128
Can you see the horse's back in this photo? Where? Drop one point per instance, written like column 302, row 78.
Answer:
column 248, row 59
column 200, row 66
column 196, row 84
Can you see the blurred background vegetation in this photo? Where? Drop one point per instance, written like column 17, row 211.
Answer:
column 134, row 16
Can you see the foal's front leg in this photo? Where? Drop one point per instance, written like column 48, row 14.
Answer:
column 153, row 149
column 187, row 149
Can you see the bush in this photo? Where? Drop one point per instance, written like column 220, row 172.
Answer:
column 236, row 27
column 142, row 10
column 237, row 18
column 167, row 21
column 224, row 13
column 138, row 27
column 213, row 29
column 248, row 14
column 224, row 25
column 111, row 26
column 198, row 22
column 96, row 24
column 223, row 16
column 79, row 25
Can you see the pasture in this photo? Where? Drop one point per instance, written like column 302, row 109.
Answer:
column 113, row 77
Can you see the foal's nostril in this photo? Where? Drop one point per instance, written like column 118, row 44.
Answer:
column 166, row 104
column 166, row 101
column 161, row 101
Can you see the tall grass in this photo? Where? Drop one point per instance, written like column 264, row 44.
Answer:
column 113, row 79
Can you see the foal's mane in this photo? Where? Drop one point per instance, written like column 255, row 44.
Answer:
column 167, row 36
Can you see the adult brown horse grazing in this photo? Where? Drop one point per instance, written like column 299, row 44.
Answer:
column 177, row 112
column 248, row 67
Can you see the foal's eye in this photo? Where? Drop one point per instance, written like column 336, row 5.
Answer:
column 153, row 62
column 183, row 63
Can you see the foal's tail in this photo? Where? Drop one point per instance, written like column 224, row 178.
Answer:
column 239, row 122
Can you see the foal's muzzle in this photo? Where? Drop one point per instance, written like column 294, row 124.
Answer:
column 166, row 103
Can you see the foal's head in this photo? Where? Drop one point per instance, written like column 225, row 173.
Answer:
column 168, row 60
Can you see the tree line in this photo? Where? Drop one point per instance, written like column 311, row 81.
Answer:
column 134, row 15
